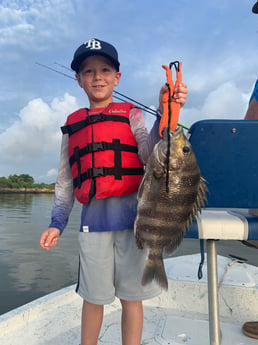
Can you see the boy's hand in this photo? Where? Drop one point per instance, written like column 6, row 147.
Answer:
column 179, row 95
column 49, row 238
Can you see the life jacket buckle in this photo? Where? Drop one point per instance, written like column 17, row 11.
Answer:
column 100, row 146
column 96, row 118
column 97, row 172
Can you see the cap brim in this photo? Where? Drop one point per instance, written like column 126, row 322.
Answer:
column 255, row 8
column 75, row 65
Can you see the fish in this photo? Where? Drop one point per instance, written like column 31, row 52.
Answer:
column 170, row 196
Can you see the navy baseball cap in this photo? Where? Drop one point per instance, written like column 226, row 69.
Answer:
column 94, row 47
column 255, row 7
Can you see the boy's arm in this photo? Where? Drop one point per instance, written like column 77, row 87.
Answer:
column 64, row 195
column 63, row 201
column 145, row 141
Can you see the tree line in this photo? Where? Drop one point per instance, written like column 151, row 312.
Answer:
column 23, row 181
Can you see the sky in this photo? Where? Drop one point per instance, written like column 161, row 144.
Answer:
column 216, row 41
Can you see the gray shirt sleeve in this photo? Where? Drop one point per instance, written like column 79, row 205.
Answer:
column 145, row 141
column 64, row 195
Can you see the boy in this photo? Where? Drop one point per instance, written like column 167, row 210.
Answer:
column 103, row 152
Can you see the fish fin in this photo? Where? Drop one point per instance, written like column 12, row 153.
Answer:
column 200, row 202
column 176, row 241
column 141, row 187
column 203, row 190
column 139, row 240
column 155, row 270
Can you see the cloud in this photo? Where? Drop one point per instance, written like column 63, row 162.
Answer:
column 49, row 177
column 36, row 135
column 219, row 64
column 51, row 173
column 34, row 139
column 227, row 101
column 30, row 25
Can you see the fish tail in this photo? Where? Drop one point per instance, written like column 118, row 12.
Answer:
column 155, row 270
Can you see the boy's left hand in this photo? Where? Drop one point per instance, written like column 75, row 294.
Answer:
column 179, row 95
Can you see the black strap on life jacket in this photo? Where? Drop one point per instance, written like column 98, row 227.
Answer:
column 104, row 171
column 91, row 119
column 77, row 160
column 101, row 146
column 116, row 171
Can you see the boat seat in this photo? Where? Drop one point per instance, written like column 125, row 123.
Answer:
column 227, row 155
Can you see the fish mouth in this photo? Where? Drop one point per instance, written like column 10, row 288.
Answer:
column 177, row 137
column 177, row 132
column 167, row 133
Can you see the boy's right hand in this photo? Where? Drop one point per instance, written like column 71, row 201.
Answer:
column 49, row 238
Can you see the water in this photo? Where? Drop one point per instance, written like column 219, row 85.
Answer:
column 28, row 272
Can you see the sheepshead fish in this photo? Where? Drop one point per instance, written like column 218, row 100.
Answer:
column 170, row 196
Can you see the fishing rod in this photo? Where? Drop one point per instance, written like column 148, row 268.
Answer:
column 140, row 105
column 54, row 70
column 150, row 110
column 144, row 107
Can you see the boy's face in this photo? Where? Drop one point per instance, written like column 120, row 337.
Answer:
column 98, row 77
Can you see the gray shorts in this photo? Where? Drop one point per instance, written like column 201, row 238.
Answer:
column 111, row 265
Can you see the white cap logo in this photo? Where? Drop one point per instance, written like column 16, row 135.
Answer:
column 93, row 44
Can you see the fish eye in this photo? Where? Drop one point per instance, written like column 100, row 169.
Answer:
column 186, row 150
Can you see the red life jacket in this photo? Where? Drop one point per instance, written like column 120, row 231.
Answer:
column 103, row 153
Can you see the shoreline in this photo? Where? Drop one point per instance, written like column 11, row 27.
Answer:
column 26, row 190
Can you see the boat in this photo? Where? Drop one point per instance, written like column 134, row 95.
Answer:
column 178, row 316
column 193, row 311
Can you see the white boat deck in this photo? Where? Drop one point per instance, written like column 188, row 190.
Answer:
column 179, row 316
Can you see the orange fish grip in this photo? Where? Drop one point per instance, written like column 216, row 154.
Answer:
column 171, row 108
